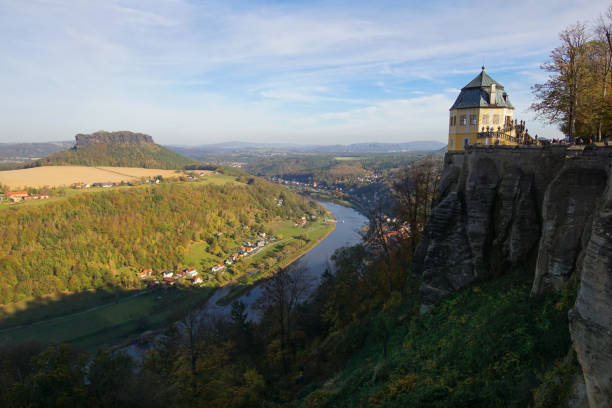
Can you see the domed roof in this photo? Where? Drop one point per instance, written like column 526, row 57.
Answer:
column 477, row 94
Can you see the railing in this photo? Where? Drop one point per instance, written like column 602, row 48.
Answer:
column 498, row 134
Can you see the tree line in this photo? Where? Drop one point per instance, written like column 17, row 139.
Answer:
column 578, row 94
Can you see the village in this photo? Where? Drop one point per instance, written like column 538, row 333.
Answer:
column 168, row 279
column 18, row 196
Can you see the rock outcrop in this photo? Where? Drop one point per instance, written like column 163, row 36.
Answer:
column 591, row 317
column 549, row 209
column 122, row 137
column 495, row 223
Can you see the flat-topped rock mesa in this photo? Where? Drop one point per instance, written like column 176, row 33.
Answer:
column 542, row 209
column 121, row 137
column 116, row 149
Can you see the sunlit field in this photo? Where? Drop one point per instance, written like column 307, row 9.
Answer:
column 60, row 176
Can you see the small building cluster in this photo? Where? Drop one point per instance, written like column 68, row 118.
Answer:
column 301, row 222
column 106, row 184
column 195, row 176
column 109, row 184
column 99, row 184
column 248, row 248
column 18, row 196
column 169, row 277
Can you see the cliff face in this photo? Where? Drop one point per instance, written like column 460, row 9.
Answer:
column 122, row 137
column 546, row 208
column 591, row 318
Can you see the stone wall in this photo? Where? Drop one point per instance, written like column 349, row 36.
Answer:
column 548, row 208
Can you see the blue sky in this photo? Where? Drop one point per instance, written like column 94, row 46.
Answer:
column 195, row 72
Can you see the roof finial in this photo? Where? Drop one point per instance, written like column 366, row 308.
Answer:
column 483, row 67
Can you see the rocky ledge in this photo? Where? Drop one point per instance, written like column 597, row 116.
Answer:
column 121, row 137
column 547, row 209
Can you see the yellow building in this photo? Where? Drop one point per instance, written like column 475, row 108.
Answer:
column 482, row 114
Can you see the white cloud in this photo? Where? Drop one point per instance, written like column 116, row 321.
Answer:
column 181, row 69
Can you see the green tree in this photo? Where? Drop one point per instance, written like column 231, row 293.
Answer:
column 112, row 381
column 58, row 380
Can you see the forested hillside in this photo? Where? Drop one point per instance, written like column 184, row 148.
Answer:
column 332, row 170
column 146, row 155
column 93, row 239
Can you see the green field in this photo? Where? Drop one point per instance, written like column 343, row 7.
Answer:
column 347, row 158
column 219, row 179
column 197, row 252
column 106, row 323
column 57, row 304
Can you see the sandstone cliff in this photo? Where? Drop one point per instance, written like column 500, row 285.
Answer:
column 122, row 137
column 549, row 209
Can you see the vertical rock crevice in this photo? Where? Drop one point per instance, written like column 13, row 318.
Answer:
column 569, row 204
column 591, row 317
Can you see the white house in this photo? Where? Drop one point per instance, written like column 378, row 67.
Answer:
column 167, row 274
column 217, row 268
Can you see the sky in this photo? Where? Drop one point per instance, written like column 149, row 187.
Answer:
column 195, row 72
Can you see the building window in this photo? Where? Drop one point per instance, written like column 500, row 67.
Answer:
column 485, row 119
column 452, row 143
column 463, row 120
column 453, row 120
column 496, row 119
column 473, row 119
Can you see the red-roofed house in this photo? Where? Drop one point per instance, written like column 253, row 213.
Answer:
column 36, row 197
column 16, row 195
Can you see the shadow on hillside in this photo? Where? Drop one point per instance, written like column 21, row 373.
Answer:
column 93, row 319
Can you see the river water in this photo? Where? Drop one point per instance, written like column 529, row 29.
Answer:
column 347, row 233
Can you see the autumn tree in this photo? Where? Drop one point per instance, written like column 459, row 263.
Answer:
column 557, row 98
column 414, row 192
column 578, row 95
column 281, row 294
column 603, row 35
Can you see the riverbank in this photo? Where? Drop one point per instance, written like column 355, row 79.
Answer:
column 240, row 289
column 315, row 261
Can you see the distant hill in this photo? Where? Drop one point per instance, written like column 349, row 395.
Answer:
column 120, row 149
column 418, row 146
column 241, row 147
column 22, row 152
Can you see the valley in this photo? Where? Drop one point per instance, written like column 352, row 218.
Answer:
column 207, row 204
column 105, row 316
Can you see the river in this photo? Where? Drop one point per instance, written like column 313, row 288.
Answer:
column 347, row 233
